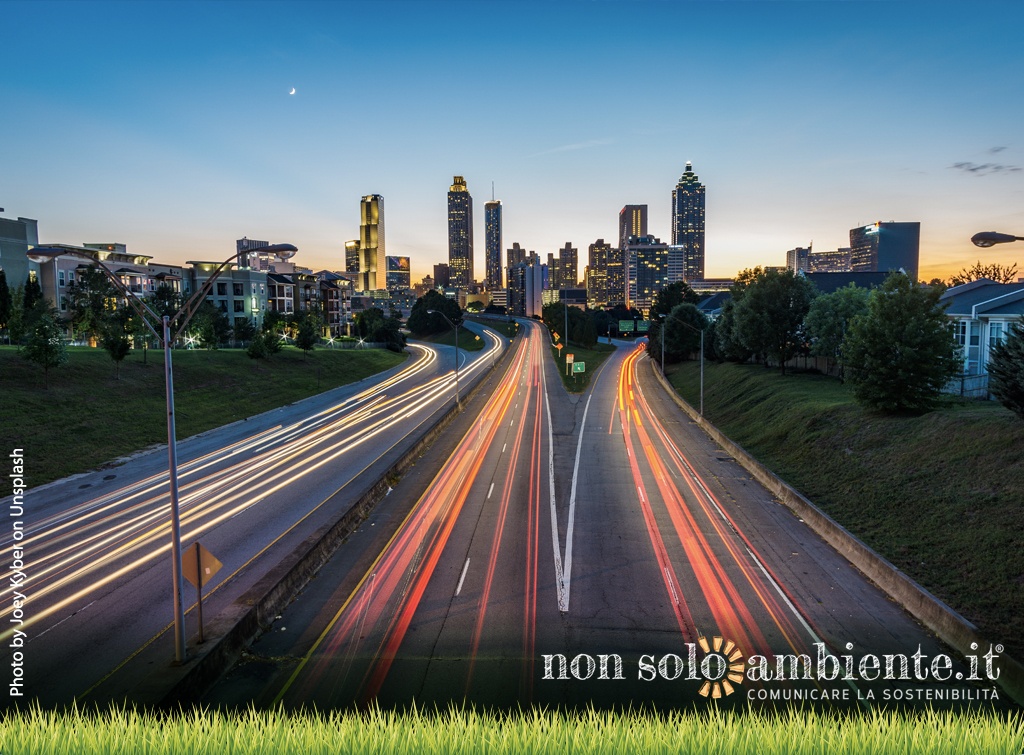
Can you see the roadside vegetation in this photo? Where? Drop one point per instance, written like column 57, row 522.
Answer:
column 466, row 732
column 940, row 494
column 83, row 415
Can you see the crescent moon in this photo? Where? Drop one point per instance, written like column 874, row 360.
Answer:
column 293, row 91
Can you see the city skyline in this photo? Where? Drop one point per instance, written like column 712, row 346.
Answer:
column 804, row 119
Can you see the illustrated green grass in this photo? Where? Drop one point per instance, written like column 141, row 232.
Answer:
column 86, row 417
column 941, row 495
column 461, row 732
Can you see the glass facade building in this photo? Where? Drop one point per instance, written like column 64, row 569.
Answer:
column 460, row 233
column 492, row 245
column 688, row 223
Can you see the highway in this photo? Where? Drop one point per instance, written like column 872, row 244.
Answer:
column 577, row 551
column 97, row 546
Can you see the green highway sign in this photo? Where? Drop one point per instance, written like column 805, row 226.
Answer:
column 579, row 366
column 626, row 326
column 643, row 326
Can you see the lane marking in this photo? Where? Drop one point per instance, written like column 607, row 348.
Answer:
column 567, row 567
column 462, row 578
column 504, row 447
column 490, row 491
column 671, row 585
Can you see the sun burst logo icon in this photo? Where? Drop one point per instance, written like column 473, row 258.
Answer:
column 722, row 667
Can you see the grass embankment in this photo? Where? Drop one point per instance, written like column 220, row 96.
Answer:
column 86, row 417
column 504, row 326
column 940, row 495
column 468, row 340
column 577, row 382
column 458, row 732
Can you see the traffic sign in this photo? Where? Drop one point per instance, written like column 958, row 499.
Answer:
column 559, row 347
column 568, row 358
column 579, row 367
column 626, row 326
column 200, row 568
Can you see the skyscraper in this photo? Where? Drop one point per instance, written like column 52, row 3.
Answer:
column 688, row 223
column 568, row 267
column 597, row 273
column 632, row 222
column 884, row 247
column 646, row 270
column 460, row 233
column 492, row 245
column 372, row 263
column 352, row 256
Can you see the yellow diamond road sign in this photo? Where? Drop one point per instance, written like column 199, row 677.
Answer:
column 199, row 571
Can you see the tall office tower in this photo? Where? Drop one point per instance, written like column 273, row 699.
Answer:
column 515, row 255
column 688, row 223
column 597, row 273
column 525, row 287
column 647, row 270
column 372, row 262
column 799, row 259
column 492, row 245
column 616, row 275
column 554, row 271
column 632, row 222
column 442, row 275
column 884, row 247
column 352, row 256
column 460, row 233
column 568, row 267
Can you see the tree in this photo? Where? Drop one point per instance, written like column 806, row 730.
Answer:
column 245, row 330
column 90, row 298
column 901, row 352
column 770, row 314
column 728, row 346
column 681, row 331
column 210, row 326
column 45, row 345
column 1006, row 370
column 829, row 318
column 977, row 271
column 671, row 296
column 259, row 346
column 32, row 292
column 16, row 326
column 420, row 323
column 307, row 336
column 114, row 338
column 6, row 303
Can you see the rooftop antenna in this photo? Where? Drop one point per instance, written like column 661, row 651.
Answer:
column 492, row 191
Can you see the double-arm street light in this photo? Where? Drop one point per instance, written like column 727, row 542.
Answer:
column 437, row 312
column 986, row 239
column 41, row 254
column 664, row 319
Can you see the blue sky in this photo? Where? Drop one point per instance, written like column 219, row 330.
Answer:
column 170, row 127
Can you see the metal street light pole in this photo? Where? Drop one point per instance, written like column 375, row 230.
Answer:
column 664, row 319
column 40, row 254
column 437, row 312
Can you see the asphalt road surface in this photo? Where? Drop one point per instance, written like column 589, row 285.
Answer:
column 595, row 550
column 97, row 605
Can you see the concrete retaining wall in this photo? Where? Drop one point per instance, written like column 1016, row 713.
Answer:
column 951, row 627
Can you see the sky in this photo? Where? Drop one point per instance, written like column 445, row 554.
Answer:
column 171, row 127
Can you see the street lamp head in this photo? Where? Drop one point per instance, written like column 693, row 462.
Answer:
column 431, row 311
column 986, row 239
column 41, row 254
column 281, row 251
